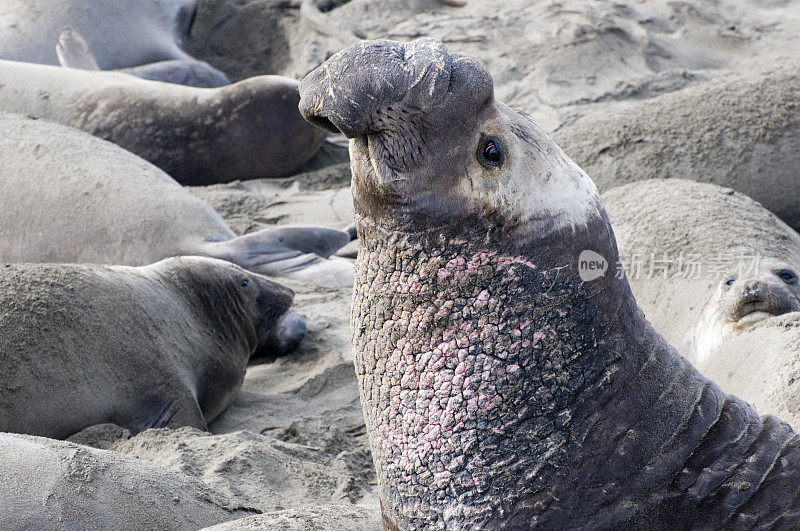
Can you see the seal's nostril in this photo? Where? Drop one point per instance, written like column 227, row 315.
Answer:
column 324, row 123
column 751, row 292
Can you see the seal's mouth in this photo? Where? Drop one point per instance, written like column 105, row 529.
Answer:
column 749, row 312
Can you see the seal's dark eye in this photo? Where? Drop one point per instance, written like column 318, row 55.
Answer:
column 787, row 276
column 491, row 152
column 730, row 281
column 245, row 282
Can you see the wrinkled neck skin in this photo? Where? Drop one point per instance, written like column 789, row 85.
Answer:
column 501, row 391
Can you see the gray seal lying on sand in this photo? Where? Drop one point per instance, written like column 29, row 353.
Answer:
column 720, row 132
column 704, row 262
column 74, row 52
column 159, row 345
column 500, row 389
column 124, row 33
column 70, row 197
column 199, row 136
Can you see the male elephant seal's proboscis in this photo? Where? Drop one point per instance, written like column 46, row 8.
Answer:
column 70, row 197
column 159, row 345
column 501, row 390
column 199, row 136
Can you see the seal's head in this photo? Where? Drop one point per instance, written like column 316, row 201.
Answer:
column 742, row 300
column 239, row 305
column 430, row 146
column 474, row 331
column 237, row 311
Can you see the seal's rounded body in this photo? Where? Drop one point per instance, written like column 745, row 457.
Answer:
column 70, row 197
column 160, row 345
column 124, row 33
column 199, row 136
column 98, row 488
column 704, row 262
column 718, row 132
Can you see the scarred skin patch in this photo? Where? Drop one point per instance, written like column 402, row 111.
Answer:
column 446, row 343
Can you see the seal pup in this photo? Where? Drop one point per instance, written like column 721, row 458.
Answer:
column 74, row 52
column 507, row 383
column 141, row 347
column 700, row 257
column 247, row 130
column 742, row 301
column 124, row 33
column 718, row 132
column 71, row 197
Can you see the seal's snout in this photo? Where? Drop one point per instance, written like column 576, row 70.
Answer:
column 272, row 300
column 763, row 296
column 349, row 91
column 752, row 291
column 289, row 331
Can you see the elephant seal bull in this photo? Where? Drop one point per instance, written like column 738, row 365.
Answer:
column 504, row 386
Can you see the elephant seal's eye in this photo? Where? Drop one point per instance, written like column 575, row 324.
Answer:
column 245, row 282
column 491, row 152
column 787, row 276
column 730, row 281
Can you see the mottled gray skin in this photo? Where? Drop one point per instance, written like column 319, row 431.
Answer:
column 71, row 197
column 159, row 345
column 123, row 33
column 199, row 136
column 499, row 390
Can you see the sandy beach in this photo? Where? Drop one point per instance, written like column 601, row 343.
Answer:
column 292, row 451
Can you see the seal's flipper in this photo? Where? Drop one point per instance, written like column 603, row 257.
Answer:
column 181, row 412
column 73, row 51
column 293, row 252
column 331, row 272
column 320, row 241
column 181, row 72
